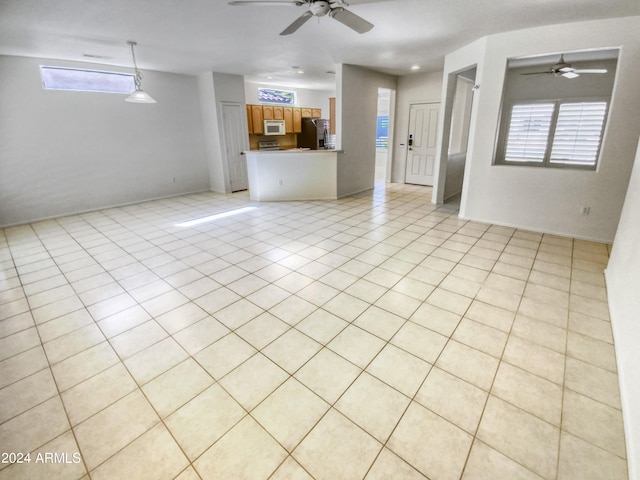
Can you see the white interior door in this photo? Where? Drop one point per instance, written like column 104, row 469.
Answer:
column 235, row 139
column 421, row 145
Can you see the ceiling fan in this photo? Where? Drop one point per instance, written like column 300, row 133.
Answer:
column 316, row 8
column 563, row 69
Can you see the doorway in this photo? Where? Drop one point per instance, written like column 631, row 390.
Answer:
column 382, row 135
column 456, row 136
column 459, row 135
column 422, row 142
column 235, row 142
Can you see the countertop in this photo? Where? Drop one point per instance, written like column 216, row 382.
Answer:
column 290, row 150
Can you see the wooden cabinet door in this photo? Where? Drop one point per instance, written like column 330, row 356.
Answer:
column 316, row 113
column 306, row 112
column 249, row 120
column 257, row 119
column 332, row 116
column 297, row 120
column 278, row 113
column 267, row 112
column 287, row 113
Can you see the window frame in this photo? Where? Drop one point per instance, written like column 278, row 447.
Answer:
column 546, row 162
column 90, row 70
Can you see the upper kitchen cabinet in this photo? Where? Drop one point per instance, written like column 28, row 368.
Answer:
column 332, row 116
column 297, row 120
column 267, row 112
column 292, row 116
column 287, row 116
column 249, row 119
column 257, row 120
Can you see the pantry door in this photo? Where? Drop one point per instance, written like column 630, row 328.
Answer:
column 235, row 139
column 421, row 143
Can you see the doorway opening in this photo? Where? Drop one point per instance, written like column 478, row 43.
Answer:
column 455, row 136
column 382, row 135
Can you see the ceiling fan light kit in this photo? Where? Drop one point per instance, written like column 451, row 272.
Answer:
column 139, row 95
column 316, row 8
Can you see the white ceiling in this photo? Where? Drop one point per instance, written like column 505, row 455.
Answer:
column 195, row 36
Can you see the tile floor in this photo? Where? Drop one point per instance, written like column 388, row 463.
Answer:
column 376, row 336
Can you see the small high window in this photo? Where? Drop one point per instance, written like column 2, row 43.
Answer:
column 81, row 80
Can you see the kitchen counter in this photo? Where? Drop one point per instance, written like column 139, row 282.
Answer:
column 294, row 174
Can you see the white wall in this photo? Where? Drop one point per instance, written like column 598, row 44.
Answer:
column 304, row 97
column 214, row 90
column 549, row 200
column 416, row 88
column 623, row 285
column 357, row 111
column 63, row 152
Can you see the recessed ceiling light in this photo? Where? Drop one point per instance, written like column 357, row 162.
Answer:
column 415, row 67
column 300, row 71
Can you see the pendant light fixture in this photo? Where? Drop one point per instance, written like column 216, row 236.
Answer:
column 139, row 96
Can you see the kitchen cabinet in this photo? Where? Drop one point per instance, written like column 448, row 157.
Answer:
column 257, row 119
column 297, row 120
column 332, row 116
column 249, row 120
column 287, row 114
column 292, row 116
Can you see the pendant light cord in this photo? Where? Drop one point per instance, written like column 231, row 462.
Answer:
column 138, row 79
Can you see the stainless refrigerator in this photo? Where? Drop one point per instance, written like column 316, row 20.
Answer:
column 315, row 134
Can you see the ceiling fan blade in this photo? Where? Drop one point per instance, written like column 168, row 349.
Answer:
column 273, row 3
column 301, row 20
column 538, row 73
column 351, row 20
column 591, row 70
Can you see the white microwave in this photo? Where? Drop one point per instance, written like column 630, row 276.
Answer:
column 274, row 127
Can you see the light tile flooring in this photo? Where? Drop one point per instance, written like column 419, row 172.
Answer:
column 376, row 336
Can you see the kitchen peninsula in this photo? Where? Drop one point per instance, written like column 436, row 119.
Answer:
column 295, row 174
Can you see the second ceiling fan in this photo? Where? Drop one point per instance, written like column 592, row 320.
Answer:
column 563, row 69
column 316, row 8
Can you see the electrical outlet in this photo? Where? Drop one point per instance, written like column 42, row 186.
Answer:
column 584, row 210
column 280, row 182
column 173, row 179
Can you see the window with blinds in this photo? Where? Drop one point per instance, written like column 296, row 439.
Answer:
column 555, row 133
column 578, row 133
column 529, row 132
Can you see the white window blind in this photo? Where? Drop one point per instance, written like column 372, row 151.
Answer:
column 529, row 132
column 578, row 132
column 555, row 133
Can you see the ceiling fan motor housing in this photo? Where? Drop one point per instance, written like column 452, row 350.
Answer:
column 320, row 8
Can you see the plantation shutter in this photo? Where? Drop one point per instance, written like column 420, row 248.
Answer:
column 529, row 132
column 578, row 133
